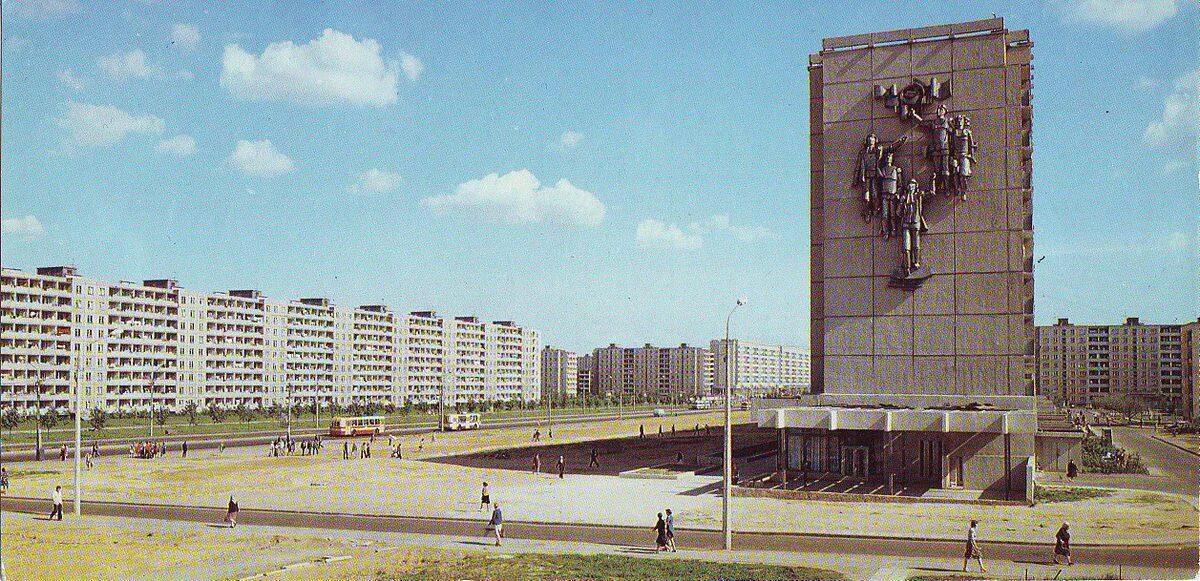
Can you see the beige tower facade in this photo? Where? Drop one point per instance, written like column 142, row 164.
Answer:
column 968, row 329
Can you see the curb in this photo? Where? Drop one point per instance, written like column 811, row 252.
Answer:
column 1173, row 444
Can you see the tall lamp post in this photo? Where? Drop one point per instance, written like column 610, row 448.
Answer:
column 37, row 418
column 289, row 413
column 728, row 471
column 79, row 419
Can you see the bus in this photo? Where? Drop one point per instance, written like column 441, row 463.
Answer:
column 455, row 422
column 356, row 426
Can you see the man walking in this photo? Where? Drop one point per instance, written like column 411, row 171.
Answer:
column 56, row 498
column 670, row 531
column 561, row 466
column 537, row 464
column 973, row 549
column 184, row 455
column 496, row 524
column 594, row 463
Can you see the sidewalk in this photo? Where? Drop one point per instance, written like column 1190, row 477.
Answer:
column 324, row 551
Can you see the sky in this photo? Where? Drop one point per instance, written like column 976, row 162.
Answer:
column 602, row 172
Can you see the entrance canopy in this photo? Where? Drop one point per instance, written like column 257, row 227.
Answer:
column 895, row 413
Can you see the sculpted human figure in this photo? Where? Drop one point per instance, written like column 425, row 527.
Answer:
column 866, row 173
column 962, row 148
column 939, row 149
column 912, row 224
column 890, row 176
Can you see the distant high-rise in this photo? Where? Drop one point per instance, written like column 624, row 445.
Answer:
column 681, row 372
column 560, row 373
column 758, row 369
column 156, row 344
column 1083, row 363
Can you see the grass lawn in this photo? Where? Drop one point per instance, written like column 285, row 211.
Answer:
column 448, row 565
column 1071, row 494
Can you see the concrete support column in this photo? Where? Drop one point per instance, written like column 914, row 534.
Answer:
column 783, row 456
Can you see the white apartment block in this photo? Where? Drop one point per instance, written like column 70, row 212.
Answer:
column 560, row 373
column 132, row 346
column 759, row 369
column 666, row 372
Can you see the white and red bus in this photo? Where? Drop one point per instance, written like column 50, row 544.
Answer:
column 356, row 426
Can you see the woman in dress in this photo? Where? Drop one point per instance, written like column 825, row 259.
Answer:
column 485, row 499
column 660, row 529
column 231, row 513
column 1062, row 544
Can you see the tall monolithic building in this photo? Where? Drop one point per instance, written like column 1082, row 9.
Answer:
column 961, row 321
column 1190, row 339
column 560, row 373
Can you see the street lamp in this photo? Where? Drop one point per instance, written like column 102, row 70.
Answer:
column 728, row 471
column 289, row 412
column 79, row 418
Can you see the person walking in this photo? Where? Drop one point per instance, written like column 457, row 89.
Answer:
column 1072, row 470
column 3, row 480
column 973, row 548
column 537, row 464
column 345, row 450
column 485, row 499
column 594, row 463
column 56, row 498
column 1062, row 544
column 537, row 435
column 496, row 524
column 561, row 466
column 184, row 448
column 62, row 454
column 231, row 512
column 670, row 531
column 642, row 431
column 660, row 534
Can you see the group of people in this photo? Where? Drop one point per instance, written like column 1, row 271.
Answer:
column 286, row 446
column 664, row 530
column 147, row 450
column 352, row 449
column 561, row 467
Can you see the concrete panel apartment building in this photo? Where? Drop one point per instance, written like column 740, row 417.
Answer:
column 761, row 369
column 560, row 373
column 1082, row 363
column 132, row 346
column 668, row 373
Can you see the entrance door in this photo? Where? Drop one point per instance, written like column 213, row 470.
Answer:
column 956, row 472
column 931, row 461
column 856, row 461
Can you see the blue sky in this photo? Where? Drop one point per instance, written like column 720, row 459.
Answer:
column 602, row 172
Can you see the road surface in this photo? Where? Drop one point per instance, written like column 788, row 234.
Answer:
column 1183, row 558
column 1171, row 469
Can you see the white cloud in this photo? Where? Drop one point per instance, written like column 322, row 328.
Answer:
column 185, row 36
column 124, row 65
column 68, row 79
column 518, row 197
column 654, row 234
column 260, row 158
column 375, row 181
column 181, row 145
column 1131, row 16
column 28, row 227
column 1178, row 124
column 41, row 9
column 570, row 139
column 411, row 65
column 104, row 125
column 721, row 223
column 333, row 68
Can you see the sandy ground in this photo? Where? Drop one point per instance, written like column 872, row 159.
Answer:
column 382, row 485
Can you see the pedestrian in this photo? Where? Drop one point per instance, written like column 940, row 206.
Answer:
column 642, row 431
column 707, row 431
column 672, row 430
column 3, row 480
column 345, row 450
column 95, row 450
column 56, row 498
column 485, row 499
column 537, row 435
column 1062, row 544
column 184, row 454
column 561, row 466
column 62, row 455
column 660, row 534
column 1072, row 470
column 973, row 548
column 537, row 464
column 391, row 441
column 496, row 524
column 660, row 429
column 594, row 463
column 87, row 459
column 231, row 512
column 679, row 457
column 670, row 531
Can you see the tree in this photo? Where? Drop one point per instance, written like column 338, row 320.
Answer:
column 97, row 419
column 10, row 419
column 48, row 419
column 190, row 409
column 160, row 416
column 216, row 413
column 1125, row 405
column 245, row 413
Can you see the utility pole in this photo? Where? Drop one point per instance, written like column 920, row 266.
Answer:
column 289, row 413
column 37, row 418
column 152, row 374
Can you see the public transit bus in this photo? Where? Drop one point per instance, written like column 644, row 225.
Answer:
column 356, row 426
column 455, row 422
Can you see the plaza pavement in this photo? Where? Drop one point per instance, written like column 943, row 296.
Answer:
column 382, row 485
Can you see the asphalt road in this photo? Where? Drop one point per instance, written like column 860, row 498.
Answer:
column 1184, row 558
column 1171, row 469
